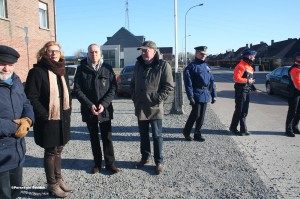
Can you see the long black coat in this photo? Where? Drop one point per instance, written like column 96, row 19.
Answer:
column 47, row 133
column 95, row 87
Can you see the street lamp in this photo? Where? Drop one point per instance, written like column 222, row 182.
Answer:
column 185, row 29
column 183, row 49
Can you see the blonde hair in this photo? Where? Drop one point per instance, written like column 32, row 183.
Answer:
column 43, row 51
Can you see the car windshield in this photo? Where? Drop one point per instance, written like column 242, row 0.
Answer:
column 128, row 69
column 71, row 70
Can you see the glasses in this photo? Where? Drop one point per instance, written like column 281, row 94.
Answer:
column 53, row 52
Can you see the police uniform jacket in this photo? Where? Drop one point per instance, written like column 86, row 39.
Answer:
column 13, row 105
column 95, row 87
column 242, row 72
column 294, row 73
column 151, row 85
column 199, row 82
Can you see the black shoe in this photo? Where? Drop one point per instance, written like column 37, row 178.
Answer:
column 246, row 133
column 235, row 131
column 112, row 168
column 296, row 131
column 198, row 137
column 141, row 164
column 187, row 137
column 290, row 134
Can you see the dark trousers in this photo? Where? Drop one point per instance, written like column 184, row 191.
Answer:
column 106, row 136
column 242, row 100
column 156, row 127
column 10, row 183
column 293, row 115
column 197, row 114
column 52, row 164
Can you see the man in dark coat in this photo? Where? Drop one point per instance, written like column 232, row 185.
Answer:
column 200, row 89
column 151, row 84
column 16, row 117
column 95, row 87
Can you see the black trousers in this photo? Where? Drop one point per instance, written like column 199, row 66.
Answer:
column 10, row 183
column 106, row 136
column 242, row 100
column 293, row 115
column 197, row 114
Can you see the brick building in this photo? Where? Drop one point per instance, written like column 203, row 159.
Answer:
column 27, row 25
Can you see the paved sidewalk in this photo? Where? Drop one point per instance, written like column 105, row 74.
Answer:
column 275, row 156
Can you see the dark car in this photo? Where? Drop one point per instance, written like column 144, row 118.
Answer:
column 123, row 81
column 71, row 70
column 277, row 82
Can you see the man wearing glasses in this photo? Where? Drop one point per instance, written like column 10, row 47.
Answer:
column 200, row 89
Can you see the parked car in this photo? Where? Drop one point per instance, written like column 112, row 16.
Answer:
column 124, row 79
column 71, row 71
column 277, row 82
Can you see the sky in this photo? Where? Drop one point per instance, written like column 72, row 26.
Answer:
column 220, row 25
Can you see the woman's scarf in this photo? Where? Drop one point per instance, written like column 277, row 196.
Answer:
column 56, row 69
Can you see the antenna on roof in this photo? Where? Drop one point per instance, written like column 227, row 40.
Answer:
column 127, row 16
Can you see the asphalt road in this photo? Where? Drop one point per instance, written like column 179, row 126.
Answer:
column 275, row 156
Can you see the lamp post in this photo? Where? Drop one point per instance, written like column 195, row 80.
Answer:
column 185, row 30
column 183, row 49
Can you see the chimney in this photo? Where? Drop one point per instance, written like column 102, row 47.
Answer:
column 246, row 45
column 251, row 45
column 272, row 42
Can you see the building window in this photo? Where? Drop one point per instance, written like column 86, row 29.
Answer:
column 43, row 13
column 109, row 57
column 3, row 9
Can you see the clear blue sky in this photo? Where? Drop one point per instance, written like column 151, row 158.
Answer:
column 220, row 25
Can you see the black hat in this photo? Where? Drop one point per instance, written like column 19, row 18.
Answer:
column 248, row 52
column 8, row 54
column 148, row 44
column 201, row 49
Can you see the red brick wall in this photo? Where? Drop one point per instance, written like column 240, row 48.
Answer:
column 20, row 14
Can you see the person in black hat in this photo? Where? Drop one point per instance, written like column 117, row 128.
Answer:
column 244, row 83
column 16, row 117
column 293, row 115
column 200, row 89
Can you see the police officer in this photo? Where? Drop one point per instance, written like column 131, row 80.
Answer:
column 293, row 115
column 243, row 77
column 200, row 89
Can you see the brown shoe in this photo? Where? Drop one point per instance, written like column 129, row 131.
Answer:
column 141, row 164
column 96, row 169
column 55, row 190
column 64, row 186
column 112, row 168
column 198, row 137
column 159, row 169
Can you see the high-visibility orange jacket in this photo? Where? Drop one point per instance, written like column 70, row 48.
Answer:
column 295, row 76
column 242, row 72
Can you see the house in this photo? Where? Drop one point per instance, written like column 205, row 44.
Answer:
column 121, row 49
column 26, row 25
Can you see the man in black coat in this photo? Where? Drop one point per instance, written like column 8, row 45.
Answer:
column 95, row 87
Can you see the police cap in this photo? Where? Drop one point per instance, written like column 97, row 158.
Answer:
column 8, row 54
column 248, row 52
column 201, row 49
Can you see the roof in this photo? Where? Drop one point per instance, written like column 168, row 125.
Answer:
column 125, row 39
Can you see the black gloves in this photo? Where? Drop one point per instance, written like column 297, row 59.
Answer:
column 192, row 102
column 213, row 100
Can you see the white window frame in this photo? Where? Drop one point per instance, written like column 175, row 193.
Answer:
column 43, row 14
column 3, row 9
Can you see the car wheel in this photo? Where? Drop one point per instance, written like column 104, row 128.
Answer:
column 269, row 88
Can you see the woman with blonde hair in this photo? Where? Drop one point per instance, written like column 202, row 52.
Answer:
column 48, row 91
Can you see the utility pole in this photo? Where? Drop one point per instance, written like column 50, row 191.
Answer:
column 126, row 16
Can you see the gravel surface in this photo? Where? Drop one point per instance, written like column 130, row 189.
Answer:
column 215, row 168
